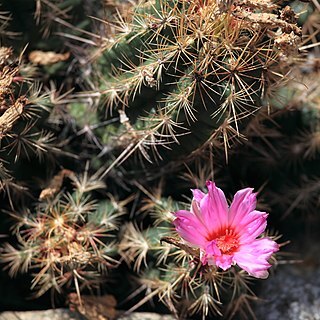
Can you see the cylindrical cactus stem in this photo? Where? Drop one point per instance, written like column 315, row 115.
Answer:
column 180, row 70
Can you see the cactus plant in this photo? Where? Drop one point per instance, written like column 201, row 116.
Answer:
column 182, row 270
column 179, row 81
column 184, row 74
column 286, row 145
column 23, row 133
column 66, row 238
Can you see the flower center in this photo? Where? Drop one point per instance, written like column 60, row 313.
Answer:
column 227, row 242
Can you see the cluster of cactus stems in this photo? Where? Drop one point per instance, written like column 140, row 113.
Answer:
column 22, row 133
column 192, row 72
column 175, row 83
column 68, row 236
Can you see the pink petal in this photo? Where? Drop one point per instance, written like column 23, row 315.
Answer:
column 212, row 249
column 244, row 201
column 190, row 228
column 208, row 259
column 214, row 256
column 195, row 209
column 254, row 257
column 197, row 194
column 204, row 259
column 214, row 208
column 251, row 226
column 225, row 261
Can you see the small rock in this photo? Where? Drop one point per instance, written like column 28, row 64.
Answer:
column 64, row 314
column 293, row 293
column 56, row 314
column 146, row 316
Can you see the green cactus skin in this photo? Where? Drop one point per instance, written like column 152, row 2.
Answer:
column 179, row 72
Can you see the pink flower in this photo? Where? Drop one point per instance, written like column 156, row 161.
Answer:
column 227, row 235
